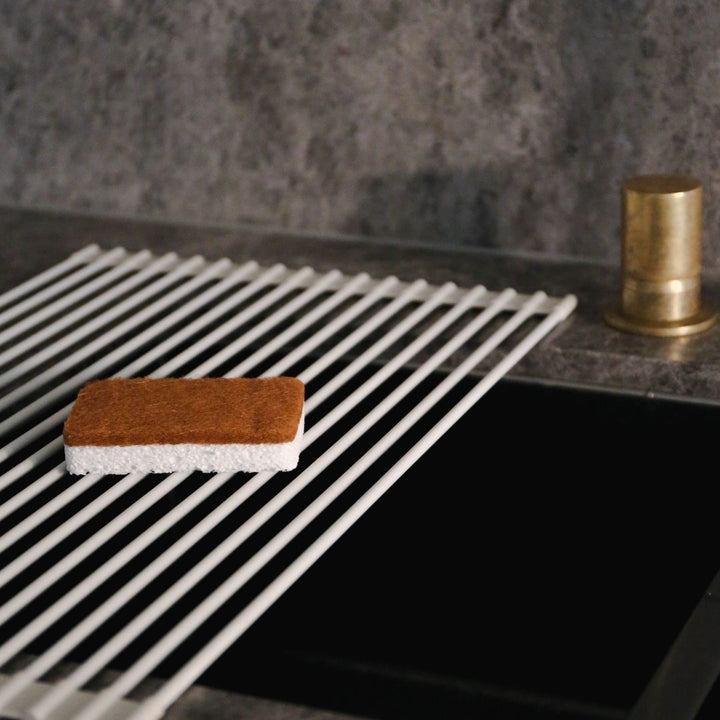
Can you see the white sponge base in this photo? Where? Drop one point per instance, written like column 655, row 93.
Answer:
column 183, row 457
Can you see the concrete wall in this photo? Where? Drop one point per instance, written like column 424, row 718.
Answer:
column 505, row 123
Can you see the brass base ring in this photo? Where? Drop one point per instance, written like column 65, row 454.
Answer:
column 702, row 320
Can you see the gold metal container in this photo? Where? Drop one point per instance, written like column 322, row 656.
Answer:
column 661, row 258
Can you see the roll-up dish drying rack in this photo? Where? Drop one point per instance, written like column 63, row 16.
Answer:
column 86, row 563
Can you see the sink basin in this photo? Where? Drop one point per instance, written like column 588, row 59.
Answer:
column 540, row 559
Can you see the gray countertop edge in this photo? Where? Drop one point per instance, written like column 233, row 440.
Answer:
column 581, row 352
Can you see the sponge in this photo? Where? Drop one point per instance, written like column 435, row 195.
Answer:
column 160, row 425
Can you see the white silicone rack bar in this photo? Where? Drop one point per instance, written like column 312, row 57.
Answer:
column 360, row 344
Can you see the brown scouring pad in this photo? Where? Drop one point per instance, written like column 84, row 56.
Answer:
column 125, row 425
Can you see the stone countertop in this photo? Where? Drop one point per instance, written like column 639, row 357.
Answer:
column 583, row 351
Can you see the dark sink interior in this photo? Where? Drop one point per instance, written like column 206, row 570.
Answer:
column 537, row 562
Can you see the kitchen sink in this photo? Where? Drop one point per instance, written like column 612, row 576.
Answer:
column 538, row 561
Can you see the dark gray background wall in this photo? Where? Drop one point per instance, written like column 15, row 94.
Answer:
column 505, row 123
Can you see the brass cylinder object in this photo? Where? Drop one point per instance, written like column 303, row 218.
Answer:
column 661, row 258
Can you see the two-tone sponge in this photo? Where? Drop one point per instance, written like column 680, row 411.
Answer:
column 149, row 425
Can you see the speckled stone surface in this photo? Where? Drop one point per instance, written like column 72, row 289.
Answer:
column 583, row 351
column 198, row 702
column 203, row 703
column 503, row 124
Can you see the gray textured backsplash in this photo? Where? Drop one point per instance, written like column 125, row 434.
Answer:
column 502, row 124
